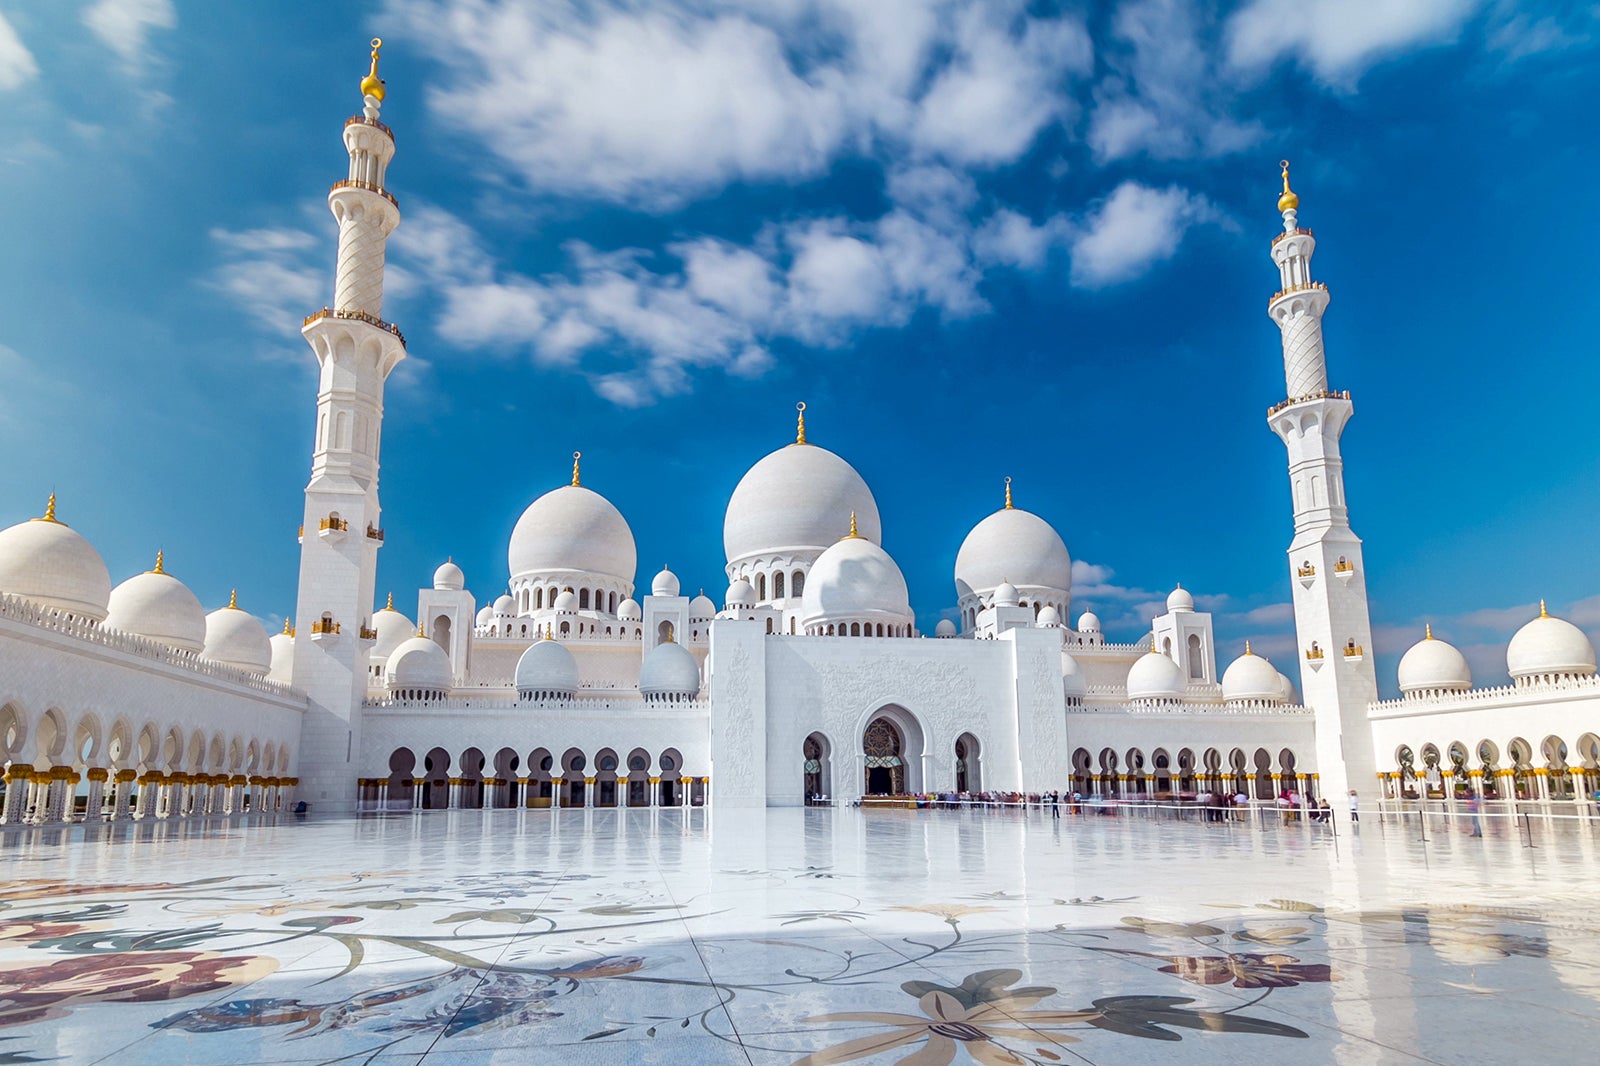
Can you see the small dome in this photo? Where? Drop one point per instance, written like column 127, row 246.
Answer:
column 237, row 638
column 702, row 607
column 573, row 528
column 157, row 605
column 855, row 580
column 794, row 501
column 1251, row 679
column 664, row 584
column 449, row 578
column 505, row 606
column 1049, row 616
column 281, row 668
column 419, row 665
column 669, row 671
column 945, row 628
column 48, row 563
column 1014, row 546
column 629, row 610
column 1180, row 600
column 567, row 602
column 1088, row 622
column 1549, row 645
column 1072, row 679
column 1291, row 694
column 1005, row 594
column 1434, row 665
column 1153, row 676
column 547, row 667
column 394, row 629
column 741, row 594
column 485, row 615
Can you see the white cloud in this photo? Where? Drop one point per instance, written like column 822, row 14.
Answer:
column 1132, row 229
column 17, row 65
column 1011, row 239
column 276, row 275
column 1339, row 40
column 124, row 25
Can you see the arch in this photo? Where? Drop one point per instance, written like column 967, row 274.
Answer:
column 891, row 741
column 51, row 739
column 436, row 780
column 441, row 631
column 120, row 750
column 1432, row 771
column 1136, row 772
column 761, row 587
column 573, row 765
column 1197, row 659
column 402, row 779
column 1520, row 753
column 1110, row 782
column 671, row 764
column 469, row 793
column 969, row 764
column 583, row 599
column 1186, row 771
column 1082, row 774
column 1557, row 778
column 217, row 754
column 816, row 753
column 777, row 585
column 636, row 771
column 1161, row 764
column 607, row 772
column 506, row 792
column 1289, row 773
column 1588, row 763
column 13, row 732
column 665, row 632
column 1263, row 776
column 87, row 748
column 797, row 583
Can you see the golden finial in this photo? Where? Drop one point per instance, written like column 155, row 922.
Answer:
column 50, row 511
column 288, row 626
column 390, row 605
column 1427, row 631
column 233, row 600
column 1542, row 612
column 1008, row 494
column 1288, row 201
column 1247, row 650
column 161, row 560
column 1152, row 643
column 372, row 85
column 575, row 457
column 853, row 534
column 549, row 631
column 800, row 423
column 420, row 631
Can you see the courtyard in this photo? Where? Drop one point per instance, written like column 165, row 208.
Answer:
column 796, row 936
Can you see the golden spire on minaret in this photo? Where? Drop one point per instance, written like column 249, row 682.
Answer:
column 372, row 85
column 233, row 600
column 420, row 631
column 575, row 457
column 852, row 535
column 390, row 605
column 800, row 423
column 1008, row 494
column 288, row 626
column 1542, row 612
column 161, row 560
column 1247, row 650
column 1288, row 201
column 1427, row 630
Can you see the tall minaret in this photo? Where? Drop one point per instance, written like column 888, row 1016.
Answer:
column 1325, row 567
column 355, row 350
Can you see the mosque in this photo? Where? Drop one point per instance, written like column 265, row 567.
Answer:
column 809, row 683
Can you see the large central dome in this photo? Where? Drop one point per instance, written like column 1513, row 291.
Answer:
column 797, row 499
column 1016, row 546
column 573, row 528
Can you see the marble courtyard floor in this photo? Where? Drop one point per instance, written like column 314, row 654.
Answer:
column 803, row 937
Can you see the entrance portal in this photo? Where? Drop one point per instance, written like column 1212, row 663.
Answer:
column 883, row 746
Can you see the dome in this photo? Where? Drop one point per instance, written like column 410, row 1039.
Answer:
column 1049, row 616
column 573, row 528
column 505, row 605
column 237, row 638
column 157, row 605
column 449, row 578
column 547, row 667
column 485, row 616
column 1153, row 676
column 567, row 602
column 1072, row 679
column 669, row 670
column 854, row 580
column 419, row 665
column 664, row 583
column 1180, row 600
column 741, row 594
column 796, row 500
column 629, row 610
column 1088, row 622
column 702, row 607
column 1290, row 693
column 281, row 668
column 1549, row 646
column 1012, row 545
column 1434, row 664
column 1005, row 594
column 48, row 563
column 945, row 628
column 1251, row 679
column 394, row 629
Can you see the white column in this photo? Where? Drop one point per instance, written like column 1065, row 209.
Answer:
column 97, row 795
column 16, row 805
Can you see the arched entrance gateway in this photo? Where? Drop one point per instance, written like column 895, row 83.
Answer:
column 891, row 748
column 818, row 771
column 969, row 770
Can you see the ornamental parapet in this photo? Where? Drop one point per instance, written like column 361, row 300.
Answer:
column 1249, row 709
column 374, row 533
column 324, row 627
column 630, row 704
column 1325, row 394
column 48, row 618
column 356, row 316
column 1576, row 688
column 362, row 120
column 1304, row 286
column 357, row 183
column 1298, row 231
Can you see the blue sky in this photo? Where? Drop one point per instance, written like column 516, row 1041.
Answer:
column 978, row 240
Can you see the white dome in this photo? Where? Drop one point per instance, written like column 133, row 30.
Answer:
column 1549, row 646
column 573, row 528
column 1015, row 546
column 1180, row 600
column 1290, row 693
column 485, row 615
column 449, row 578
column 669, row 670
column 855, row 580
column 702, row 607
column 547, row 666
column 237, row 638
column 1088, row 622
column 50, row 564
column 281, row 668
column 1434, row 664
column 1005, row 594
column 629, row 610
column 505, row 605
column 157, row 605
column 1072, row 679
column 567, row 602
column 1153, row 676
column 1049, row 616
column 741, row 594
column 1252, row 679
column 419, row 664
column 394, row 629
column 945, row 628
column 665, row 583
column 798, row 499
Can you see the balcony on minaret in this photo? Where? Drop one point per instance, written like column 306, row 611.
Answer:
column 368, row 633
column 1353, row 652
column 1298, row 231
column 1325, row 394
column 333, row 527
column 1344, row 569
column 1314, row 656
column 1307, row 573
column 324, row 628
column 355, row 316
column 374, row 533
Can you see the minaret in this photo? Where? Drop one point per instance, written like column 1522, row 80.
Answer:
column 1334, row 630
column 355, row 351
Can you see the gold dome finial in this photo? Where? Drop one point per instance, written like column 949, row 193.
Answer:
column 1247, row 650
column 49, row 511
column 853, row 534
column 161, row 562
column 575, row 457
column 372, row 85
column 288, row 626
column 549, row 631
column 800, row 423
column 1542, row 612
column 1008, row 494
column 390, row 605
column 233, row 600
column 1427, row 631
column 1288, row 201
column 420, row 631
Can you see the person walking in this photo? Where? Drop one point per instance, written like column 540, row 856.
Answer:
column 1055, row 806
column 1355, row 808
column 1472, row 812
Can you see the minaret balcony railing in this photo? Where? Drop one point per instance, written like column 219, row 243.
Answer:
column 368, row 633
column 1344, row 566
column 362, row 120
column 1307, row 286
column 374, row 533
column 1325, row 394
column 1308, row 571
column 324, row 627
column 1299, row 231
column 357, row 183
column 1352, row 650
column 356, row 316
column 334, row 525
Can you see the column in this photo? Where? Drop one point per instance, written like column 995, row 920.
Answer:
column 655, row 792
column 588, row 792
column 684, row 784
column 556, row 781
column 522, row 791
column 97, row 793
column 16, row 805
column 120, row 794
column 418, row 784
column 383, row 793
column 706, row 781
column 454, row 802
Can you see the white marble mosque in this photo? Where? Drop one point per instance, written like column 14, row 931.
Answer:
column 810, row 682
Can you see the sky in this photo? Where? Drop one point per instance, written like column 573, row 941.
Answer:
column 979, row 240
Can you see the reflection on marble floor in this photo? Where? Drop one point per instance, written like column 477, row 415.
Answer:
column 793, row 937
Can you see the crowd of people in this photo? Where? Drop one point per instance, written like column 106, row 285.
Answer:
column 1218, row 806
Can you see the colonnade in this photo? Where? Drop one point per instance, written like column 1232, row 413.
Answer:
column 483, row 793
column 44, row 797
